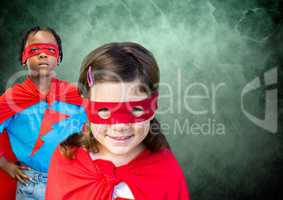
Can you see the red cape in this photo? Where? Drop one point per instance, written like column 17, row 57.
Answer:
column 150, row 176
column 18, row 98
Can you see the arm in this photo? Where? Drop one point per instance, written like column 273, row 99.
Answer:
column 13, row 169
column 9, row 166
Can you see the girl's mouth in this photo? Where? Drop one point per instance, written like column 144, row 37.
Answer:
column 120, row 138
column 43, row 64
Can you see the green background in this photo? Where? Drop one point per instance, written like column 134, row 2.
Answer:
column 199, row 44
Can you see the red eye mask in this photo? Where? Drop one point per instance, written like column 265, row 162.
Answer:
column 121, row 112
column 38, row 48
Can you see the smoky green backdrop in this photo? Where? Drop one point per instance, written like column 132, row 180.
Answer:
column 208, row 52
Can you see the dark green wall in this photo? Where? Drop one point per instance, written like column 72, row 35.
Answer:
column 208, row 51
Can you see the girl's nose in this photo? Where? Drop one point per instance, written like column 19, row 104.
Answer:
column 42, row 55
column 120, row 127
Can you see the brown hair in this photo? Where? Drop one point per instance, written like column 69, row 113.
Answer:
column 113, row 62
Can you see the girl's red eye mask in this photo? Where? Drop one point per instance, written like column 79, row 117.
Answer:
column 38, row 48
column 121, row 112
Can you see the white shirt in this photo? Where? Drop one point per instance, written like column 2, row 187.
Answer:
column 123, row 191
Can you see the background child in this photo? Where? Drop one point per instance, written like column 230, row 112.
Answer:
column 38, row 113
column 125, row 155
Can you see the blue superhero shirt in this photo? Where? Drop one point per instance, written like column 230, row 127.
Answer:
column 36, row 131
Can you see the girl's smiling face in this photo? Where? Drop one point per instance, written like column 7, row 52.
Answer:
column 119, row 139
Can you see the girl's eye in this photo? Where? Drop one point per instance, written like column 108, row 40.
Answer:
column 33, row 50
column 51, row 50
column 104, row 113
column 138, row 111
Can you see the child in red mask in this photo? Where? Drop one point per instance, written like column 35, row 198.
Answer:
column 122, row 153
column 34, row 116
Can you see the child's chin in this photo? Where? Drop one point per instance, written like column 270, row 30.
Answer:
column 120, row 151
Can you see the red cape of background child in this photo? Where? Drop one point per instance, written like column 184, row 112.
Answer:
column 20, row 97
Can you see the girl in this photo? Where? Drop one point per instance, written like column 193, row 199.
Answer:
column 124, row 155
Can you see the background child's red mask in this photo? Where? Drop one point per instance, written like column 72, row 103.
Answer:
column 122, row 112
column 38, row 48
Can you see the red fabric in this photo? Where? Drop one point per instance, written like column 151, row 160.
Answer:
column 150, row 176
column 50, row 118
column 17, row 98
column 26, row 94
column 122, row 112
column 38, row 48
column 1, row 153
column 7, row 184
